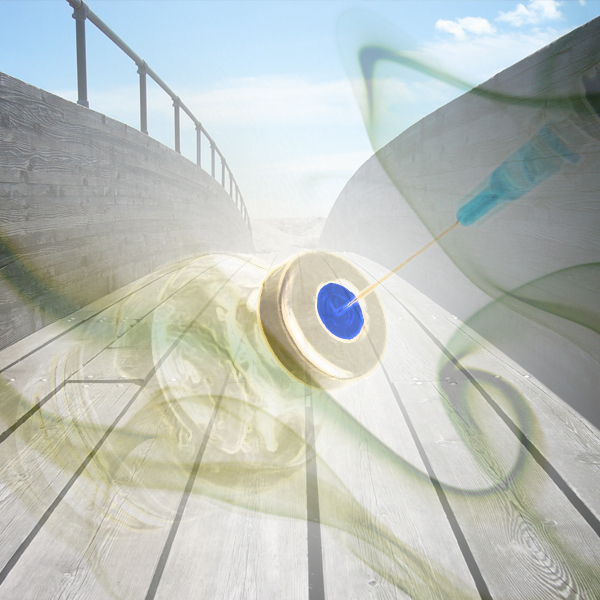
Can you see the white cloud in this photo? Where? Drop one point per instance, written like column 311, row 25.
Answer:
column 462, row 26
column 403, row 97
column 477, row 59
column 294, row 141
column 537, row 11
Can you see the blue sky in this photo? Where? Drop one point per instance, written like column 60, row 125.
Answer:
column 267, row 79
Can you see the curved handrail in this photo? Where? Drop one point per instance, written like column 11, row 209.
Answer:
column 81, row 13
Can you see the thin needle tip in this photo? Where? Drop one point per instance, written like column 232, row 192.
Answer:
column 369, row 289
column 346, row 306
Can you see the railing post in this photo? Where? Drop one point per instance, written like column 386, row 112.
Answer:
column 199, row 145
column 177, row 131
column 80, row 15
column 143, row 70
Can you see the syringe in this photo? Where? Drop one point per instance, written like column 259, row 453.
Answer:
column 540, row 158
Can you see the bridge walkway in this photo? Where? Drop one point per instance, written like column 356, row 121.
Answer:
column 152, row 447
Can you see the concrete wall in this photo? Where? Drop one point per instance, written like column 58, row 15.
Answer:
column 412, row 188
column 88, row 204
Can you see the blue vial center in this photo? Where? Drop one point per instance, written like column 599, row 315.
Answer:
column 345, row 325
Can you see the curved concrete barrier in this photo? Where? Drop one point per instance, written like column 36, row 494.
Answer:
column 527, row 274
column 90, row 204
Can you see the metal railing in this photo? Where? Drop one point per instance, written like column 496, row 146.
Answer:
column 81, row 13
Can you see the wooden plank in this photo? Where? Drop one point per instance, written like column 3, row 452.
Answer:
column 224, row 514
column 40, row 459
column 525, row 527
column 252, row 528
column 131, row 354
column 76, row 181
column 575, row 451
column 252, row 517
column 120, row 497
column 37, row 376
column 248, row 542
column 23, row 348
column 104, row 497
column 389, row 504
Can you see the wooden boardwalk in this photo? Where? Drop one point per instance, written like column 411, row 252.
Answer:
column 152, row 447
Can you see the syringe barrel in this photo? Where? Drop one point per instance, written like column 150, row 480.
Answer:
column 537, row 160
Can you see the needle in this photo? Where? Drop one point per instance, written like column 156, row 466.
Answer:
column 369, row 289
column 511, row 180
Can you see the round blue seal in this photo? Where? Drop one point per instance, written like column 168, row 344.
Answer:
column 345, row 325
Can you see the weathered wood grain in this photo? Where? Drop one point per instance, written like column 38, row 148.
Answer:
column 96, row 502
column 23, row 348
column 425, row 174
column 526, row 527
column 254, row 546
column 89, row 204
column 574, row 452
column 38, row 464
column 392, row 497
column 70, row 356
column 239, row 550
column 380, row 513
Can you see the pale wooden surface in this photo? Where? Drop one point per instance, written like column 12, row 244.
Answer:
column 528, row 530
column 90, row 204
column 381, row 517
column 411, row 189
